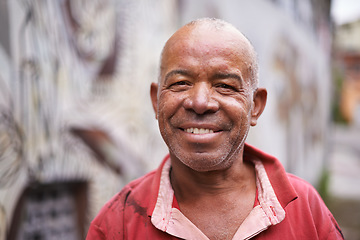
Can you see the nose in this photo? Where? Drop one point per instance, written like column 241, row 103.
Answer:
column 200, row 99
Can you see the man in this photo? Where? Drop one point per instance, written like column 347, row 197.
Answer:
column 212, row 185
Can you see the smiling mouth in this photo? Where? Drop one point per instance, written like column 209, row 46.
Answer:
column 198, row 130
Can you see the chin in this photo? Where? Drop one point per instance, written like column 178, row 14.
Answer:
column 206, row 163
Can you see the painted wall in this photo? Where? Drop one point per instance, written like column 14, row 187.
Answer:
column 78, row 67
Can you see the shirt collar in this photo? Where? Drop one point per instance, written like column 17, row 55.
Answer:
column 274, row 193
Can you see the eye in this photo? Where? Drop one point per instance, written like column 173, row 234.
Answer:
column 226, row 87
column 179, row 85
column 223, row 85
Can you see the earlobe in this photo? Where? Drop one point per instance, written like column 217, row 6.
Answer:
column 259, row 102
column 153, row 95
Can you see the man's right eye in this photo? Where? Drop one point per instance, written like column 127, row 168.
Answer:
column 179, row 86
column 179, row 83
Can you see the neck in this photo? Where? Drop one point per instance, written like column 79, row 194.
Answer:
column 190, row 185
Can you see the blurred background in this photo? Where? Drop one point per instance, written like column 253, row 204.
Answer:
column 76, row 123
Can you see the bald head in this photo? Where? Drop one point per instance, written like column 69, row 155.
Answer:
column 212, row 26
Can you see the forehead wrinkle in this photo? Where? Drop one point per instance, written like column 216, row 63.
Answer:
column 197, row 39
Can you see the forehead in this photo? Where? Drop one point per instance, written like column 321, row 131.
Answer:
column 206, row 43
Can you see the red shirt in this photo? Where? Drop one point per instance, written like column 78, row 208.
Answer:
column 286, row 207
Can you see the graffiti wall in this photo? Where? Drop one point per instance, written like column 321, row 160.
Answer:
column 76, row 121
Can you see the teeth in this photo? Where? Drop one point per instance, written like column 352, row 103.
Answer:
column 198, row 130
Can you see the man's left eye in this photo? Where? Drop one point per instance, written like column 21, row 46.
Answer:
column 226, row 86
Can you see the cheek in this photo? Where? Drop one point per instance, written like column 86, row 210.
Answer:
column 169, row 103
column 236, row 107
column 238, row 111
column 165, row 113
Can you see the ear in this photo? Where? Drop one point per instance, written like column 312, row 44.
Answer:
column 153, row 95
column 259, row 102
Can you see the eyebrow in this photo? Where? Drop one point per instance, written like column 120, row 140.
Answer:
column 228, row 75
column 176, row 72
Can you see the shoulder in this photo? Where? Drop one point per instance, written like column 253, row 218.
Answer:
column 305, row 191
column 300, row 184
column 312, row 208
column 129, row 208
column 110, row 218
column 136, row 187
column 306, row 194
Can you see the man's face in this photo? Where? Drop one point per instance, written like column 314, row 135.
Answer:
column 204, row 97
